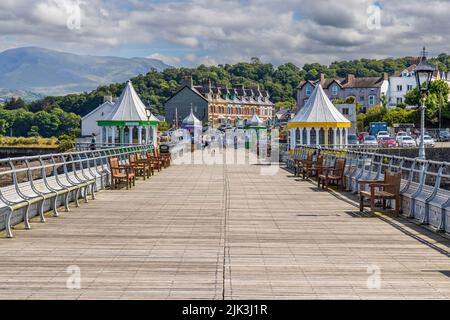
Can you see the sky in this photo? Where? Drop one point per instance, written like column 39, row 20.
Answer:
column 211, row 32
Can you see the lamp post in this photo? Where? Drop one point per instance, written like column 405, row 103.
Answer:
column 424, row 72
column 148, row 113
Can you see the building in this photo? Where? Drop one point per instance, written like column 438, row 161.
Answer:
column 349, row 112
column 401, row 82
column 367, row 90
column 129, row 121
column 89, row 122
column 216, row 105
column 318, row 122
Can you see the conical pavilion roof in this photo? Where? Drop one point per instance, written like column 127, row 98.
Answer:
column 191, row 120
column 129, row 107
column 255, row 121
column 319, row 111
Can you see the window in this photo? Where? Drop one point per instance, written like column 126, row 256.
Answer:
column 308, row 90
column 362, row 98
column 345, row 111
column 399, row 100
column 399, row 88
column 410, row 87
column 334, row 90
column 372, row 100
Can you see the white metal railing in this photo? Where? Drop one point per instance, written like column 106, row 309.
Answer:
column 32, row 186
column 425, row 185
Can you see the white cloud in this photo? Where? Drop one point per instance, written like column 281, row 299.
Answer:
column 224, row 31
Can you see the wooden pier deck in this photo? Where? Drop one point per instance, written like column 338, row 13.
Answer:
column 223, row 232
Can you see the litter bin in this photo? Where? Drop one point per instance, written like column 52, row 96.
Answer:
column 164, row 148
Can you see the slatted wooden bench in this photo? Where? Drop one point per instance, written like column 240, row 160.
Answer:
column 388, row 189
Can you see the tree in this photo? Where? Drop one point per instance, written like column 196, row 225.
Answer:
column 3, row 127
column 438, row 89
column 15, row 103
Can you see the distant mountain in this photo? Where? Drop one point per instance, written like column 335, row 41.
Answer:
column 7, row 94
column 50, row 72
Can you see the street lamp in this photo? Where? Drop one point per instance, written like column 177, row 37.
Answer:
column 148, row 113
column 424, row 72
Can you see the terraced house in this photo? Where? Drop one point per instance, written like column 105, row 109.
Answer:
column 367, row 90
column 218, row 105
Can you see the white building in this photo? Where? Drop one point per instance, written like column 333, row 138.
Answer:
column 400, row 83
column 89, row 122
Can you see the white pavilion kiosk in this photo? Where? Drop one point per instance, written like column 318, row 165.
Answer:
column 319, row 123
column 129, row 118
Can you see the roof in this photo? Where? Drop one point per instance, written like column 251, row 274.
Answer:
column 191, row 120
column 129, row 107
column 104, row 104
column 237, row 93
column 349, row 82
column 319, row 110
column 255, row 121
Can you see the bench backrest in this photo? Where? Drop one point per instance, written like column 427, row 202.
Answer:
column 392, row 179
column 114, row 165
column 339, row 167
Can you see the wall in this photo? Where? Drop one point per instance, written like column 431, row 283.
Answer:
column 89, row 122
column 182, row 102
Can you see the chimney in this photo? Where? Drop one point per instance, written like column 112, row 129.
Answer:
column 322, row 78
column 350, row 77
column 187, row 81
column 108, row 98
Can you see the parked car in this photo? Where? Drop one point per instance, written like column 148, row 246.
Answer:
column 352, row 139
column 400, row 135
column 370, row 141
column 361, row 136
column 383, row 134
column 427, row 140
column 387, row 142
column 444, row 136
column 406, row 142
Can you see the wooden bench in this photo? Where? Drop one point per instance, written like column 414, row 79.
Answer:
column 141, row 167
column 313, row 169
column 121, row 173
column 388, row 189
column 333, row 174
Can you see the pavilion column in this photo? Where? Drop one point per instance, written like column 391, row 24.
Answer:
column 107, row 135
column 335, row 137
column 130, row 135
column 345, row 137
column 113, row 135
column 293, row 138
column 317, row 136
column 122, row 135
column 101, row 136
column 140, row 135
column 155, row 136
column 147, row 135
column 340, row 138
column 326, row 133
column 301, row 136
column 308, row 136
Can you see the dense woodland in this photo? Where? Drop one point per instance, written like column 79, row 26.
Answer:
column 53, row 116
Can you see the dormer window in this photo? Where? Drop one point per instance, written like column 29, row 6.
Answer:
column 308, row 90
column 334, row 90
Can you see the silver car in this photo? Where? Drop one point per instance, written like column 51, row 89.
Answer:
column 407, row 142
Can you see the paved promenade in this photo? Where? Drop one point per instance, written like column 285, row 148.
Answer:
column 215, row 232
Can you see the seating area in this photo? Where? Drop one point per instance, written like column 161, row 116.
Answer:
column 416, row 189
column 34, row 186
